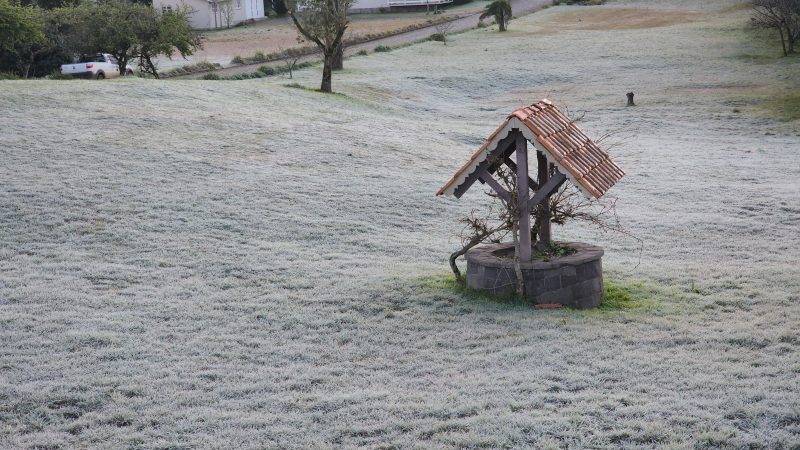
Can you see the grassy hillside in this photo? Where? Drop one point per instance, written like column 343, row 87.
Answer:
column 192, row 264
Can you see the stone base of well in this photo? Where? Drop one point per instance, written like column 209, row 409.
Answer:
column 574, row 280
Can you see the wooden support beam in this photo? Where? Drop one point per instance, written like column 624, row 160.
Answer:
column 522, row 198
column 485, row 165
column 551, row 186
column 511, row 165
column 544, row 206
column 488, row 179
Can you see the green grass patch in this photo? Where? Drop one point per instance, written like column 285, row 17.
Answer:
column 784, row 107
column 626, row 296
column 617, row 295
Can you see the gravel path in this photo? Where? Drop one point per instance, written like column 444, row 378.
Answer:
column 520, row 7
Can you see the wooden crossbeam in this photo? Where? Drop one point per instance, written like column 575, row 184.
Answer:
column 488, row 179
column 548, row 188
column 502, row 146
column 532, row 185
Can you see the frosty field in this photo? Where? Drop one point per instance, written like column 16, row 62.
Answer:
column 246, row 264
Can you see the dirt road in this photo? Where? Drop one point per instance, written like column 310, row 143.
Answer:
column 520, row 7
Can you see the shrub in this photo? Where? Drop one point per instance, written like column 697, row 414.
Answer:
column 266, row 70
column 259, row 57
column 383, row 48
column 237, row 60
column 57, row 75
column 362, row 52
column 8, row 76
column 438, row 37
column 211, row 76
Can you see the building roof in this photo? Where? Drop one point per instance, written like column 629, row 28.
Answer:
column 584, row 163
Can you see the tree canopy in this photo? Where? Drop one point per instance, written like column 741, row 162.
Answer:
column 500, row 10
column 322, row 22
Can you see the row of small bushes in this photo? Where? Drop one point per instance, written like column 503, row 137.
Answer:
column 188, row 69
column 261, row 57
column 261, row 72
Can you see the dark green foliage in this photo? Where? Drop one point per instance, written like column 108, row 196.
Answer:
column 267, row 70
column 237, row 60
column 192, row 68
column 383, row 48
column 438, row 37
column 211, row 76
column 22, row 36
column 128, row 31
column 500, row 10
column 279, row 6
column 362, row 52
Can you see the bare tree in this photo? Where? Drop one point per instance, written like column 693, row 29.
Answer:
column 781, row 15
column 442, row 29
column 322, row 22
column 226, row 9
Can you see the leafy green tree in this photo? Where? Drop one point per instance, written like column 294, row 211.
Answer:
column 128, row 31
column 322, row 22
column 21, row 37
column 167, row 34
column 500, row 10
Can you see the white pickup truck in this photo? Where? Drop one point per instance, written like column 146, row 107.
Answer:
column 98, row 67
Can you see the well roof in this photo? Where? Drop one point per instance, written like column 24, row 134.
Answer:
column 584, row 163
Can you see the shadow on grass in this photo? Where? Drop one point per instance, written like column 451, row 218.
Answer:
column 306, row 88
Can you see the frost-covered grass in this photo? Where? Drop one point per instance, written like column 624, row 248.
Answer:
column 243, row 264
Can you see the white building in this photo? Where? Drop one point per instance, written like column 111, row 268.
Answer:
column 209, row 14
column 393, row 5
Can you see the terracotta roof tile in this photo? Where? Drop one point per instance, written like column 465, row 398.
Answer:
column 585, row 163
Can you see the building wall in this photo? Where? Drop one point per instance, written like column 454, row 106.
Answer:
column 369, row 4
column 203, row 15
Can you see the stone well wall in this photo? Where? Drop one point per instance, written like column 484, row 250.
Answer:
column 575, row 280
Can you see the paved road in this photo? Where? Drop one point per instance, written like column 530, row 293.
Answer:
column 520, row 7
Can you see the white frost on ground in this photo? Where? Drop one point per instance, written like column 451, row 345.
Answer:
column 244, row 264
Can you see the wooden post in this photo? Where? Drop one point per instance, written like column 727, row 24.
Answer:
column 544, row 207
column 522, row 198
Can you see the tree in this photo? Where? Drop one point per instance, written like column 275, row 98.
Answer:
column 322, row 22
column 500, row 10
column 226, row 8
column 279, row 6
column 105, row 26
column 165, row 34
column 442, row 29
column 21, row 37
column 128, row 31
column 781, row 15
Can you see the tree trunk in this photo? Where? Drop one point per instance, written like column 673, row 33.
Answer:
column 630, row 99
column 152, row 67
column 122, row 65
column 326, row 72
column 783, row 41
column 501, row 22
column 338, row 58
column 790, row 39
